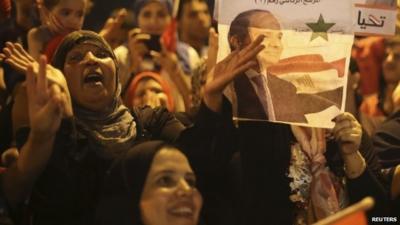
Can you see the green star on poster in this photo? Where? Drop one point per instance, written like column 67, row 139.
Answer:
column 320, row 28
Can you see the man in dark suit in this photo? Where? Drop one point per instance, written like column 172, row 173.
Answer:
column 262, row 95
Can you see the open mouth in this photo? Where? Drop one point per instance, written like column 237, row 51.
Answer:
column 185, row 210
column 93, row 78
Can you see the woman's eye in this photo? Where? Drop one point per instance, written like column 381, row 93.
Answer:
column 147, row 14
column 166, row 181
column 102, row 54
column 75, row 57
column 65, row 12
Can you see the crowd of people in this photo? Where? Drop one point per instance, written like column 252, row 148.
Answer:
column 129, row 124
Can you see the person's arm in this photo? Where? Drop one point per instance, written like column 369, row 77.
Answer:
column 20, row 177
column 47, row 106
column 361, row 164
column 371, row 182
column 207, row 139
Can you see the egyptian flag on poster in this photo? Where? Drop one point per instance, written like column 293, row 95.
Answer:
column 301, row 75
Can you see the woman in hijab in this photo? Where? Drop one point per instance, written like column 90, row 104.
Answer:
column 62, row 162
column 153, row 184
column 149, row 88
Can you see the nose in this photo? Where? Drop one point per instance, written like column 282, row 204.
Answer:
column 276, row 42
column 184, row 188
column 204, row 18
column 90, row 58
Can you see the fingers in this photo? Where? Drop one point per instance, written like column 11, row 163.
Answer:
column 345, row 121
column 107, row 27
column 66, row 105
column 132, row 33
column 30, row 82
column 253, row 44
column 213, row 39
column 24, row 53
column 42, row 79
column 157, row 57
column 228, row 58
column 212, row 49
column 347, row 132
column 247, row 55
column 17, row 57
column 120, row 17
column 54, row 106
column 245, row 67
column 348, row 136
column 344, row 116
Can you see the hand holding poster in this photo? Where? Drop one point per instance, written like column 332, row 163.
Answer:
column 301, row 74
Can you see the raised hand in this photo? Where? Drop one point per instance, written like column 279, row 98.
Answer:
column 47, row 104
column 212, row 49
column 16, row 56
column 225, row 71
column 347, row 132
column 112, row 27
column 167, row 60
column 137, row 48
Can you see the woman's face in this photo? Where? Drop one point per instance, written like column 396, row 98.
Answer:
column 153, row 18
column 169, row 195
column 149, row 92
column 91, row 76
column 70, row 14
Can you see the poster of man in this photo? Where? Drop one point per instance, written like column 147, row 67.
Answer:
column 300, row 76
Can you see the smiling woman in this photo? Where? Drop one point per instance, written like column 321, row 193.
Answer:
column 154, row 184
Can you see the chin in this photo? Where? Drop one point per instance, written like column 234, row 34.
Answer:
column 99, row 104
